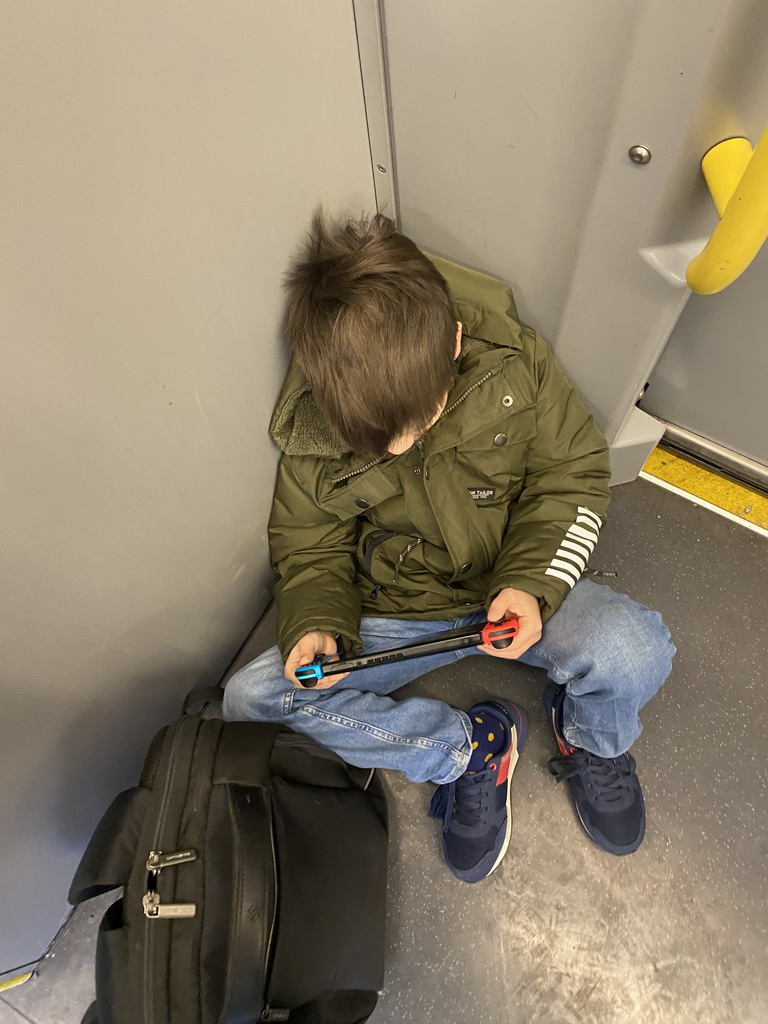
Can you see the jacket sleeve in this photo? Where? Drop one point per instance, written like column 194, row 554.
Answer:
column 314, row 553
column 555, row 524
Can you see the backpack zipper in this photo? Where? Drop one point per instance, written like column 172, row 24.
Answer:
column 156, row 861
column 268, row 1013
column 149, row 930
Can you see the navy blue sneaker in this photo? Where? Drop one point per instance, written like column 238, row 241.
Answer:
column 477, row 821
column 606, row 790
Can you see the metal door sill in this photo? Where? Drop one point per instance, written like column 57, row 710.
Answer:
column 715, row 456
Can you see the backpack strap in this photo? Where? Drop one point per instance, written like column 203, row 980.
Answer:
column 253, row 906
column 244, row 756
column 197, row 700
column 243, row 765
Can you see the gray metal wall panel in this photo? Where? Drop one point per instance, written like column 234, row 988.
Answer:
column 712, row 377
column 713, row 374
column 500, row 119
column 159, row 164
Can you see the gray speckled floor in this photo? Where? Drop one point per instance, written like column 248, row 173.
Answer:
column 563, row 933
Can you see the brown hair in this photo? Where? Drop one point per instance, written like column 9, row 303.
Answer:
column 372, row 326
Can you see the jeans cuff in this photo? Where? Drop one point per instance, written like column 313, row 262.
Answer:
column 463, row 759
column 569, row 732
column 587, row 741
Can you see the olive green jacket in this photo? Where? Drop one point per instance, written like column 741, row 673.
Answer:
column 509, row 488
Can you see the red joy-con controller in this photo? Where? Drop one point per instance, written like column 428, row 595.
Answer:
column 500, row 634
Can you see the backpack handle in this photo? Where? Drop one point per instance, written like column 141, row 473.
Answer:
column 198, row 699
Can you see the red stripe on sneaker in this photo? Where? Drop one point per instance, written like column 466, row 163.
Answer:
column 503, row 770
column 564, row 747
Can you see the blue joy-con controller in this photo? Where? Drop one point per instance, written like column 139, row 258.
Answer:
column 310, row 675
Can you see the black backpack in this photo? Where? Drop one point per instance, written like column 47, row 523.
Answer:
column 254, row 866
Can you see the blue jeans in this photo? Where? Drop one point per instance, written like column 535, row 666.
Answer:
column 609, row 652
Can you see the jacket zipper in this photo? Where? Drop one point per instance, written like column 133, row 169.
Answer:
column 483, row 379
column 467, row 392
column 338, row 479
column 373, row 541
column 148, row 929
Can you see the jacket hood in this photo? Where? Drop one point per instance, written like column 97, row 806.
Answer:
column 484, row 305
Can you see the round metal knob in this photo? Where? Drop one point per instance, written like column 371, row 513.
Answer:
column 640, row 155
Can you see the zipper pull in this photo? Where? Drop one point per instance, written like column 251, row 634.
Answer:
column 375, row 592
column 154, row 908
column 157, row 860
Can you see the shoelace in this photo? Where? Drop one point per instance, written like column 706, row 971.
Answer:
column 610, row 776
column 460, row 801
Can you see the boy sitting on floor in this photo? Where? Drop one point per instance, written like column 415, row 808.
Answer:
column 438, row 470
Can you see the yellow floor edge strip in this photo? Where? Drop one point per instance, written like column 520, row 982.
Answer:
column 13, row 982
column 739, row 500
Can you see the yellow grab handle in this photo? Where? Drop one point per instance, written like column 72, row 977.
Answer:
column 738, row 180
column 13, row 982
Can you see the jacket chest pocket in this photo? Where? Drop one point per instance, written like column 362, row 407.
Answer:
column 360, row 494
column 492, row 464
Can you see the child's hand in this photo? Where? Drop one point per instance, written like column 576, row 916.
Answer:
column 306, row 651
column 526, row 607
